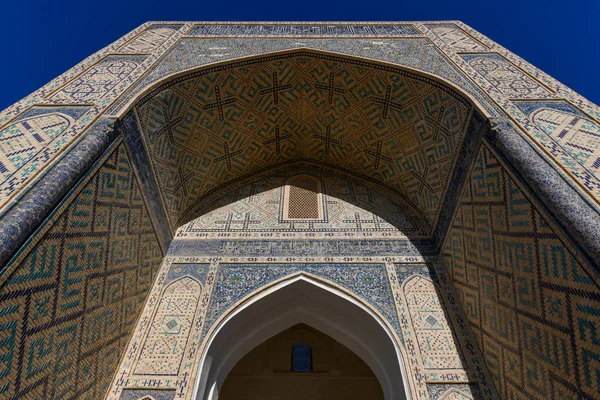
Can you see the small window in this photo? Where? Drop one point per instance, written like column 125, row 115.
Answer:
column 301, row 358
column 302, row 199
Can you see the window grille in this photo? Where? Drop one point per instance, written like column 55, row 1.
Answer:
column 301, row 358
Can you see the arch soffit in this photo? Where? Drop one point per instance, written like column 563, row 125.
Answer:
column 208, row 126
column 289, row 171
column 151, row 88
column 277, row 286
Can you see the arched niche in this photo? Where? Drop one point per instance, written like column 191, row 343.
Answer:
column 303, row 299
column 301, row 363
column 207, row 128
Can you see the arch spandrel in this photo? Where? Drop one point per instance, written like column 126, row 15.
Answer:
column 216, row 125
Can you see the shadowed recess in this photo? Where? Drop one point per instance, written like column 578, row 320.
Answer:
column 213, row 126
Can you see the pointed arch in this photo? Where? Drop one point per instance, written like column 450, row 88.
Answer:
column 432, row 332
column 285, row 123
column 170, row 329
column 303, row 298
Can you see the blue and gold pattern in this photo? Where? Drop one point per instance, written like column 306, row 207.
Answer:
column 504, row 76
column 69, row 306
column 243, row 214
column 572, row 134
column 532, row 304
column 28, row 137
column 214, row 126
column 368, row 281
column 99, row 80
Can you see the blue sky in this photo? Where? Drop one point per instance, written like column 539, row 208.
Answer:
column 43, row 38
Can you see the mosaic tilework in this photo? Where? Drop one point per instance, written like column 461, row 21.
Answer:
column 552, row 187
column 504, row 76
column 351, row 207
column 71, row 302
column 532, row 303
column 147, row 394
column 335, row 111
column 536, row 73
column 141, row 164
column 170, row 328
column 301, row 247
column 192, row 52
column 28, row 135
column 234, row 282
column 31, row 208
column 457, row 38
column 99, row 79
column 153, row 359
column 432, row 55
column 101, row 82
column 303, row 30
column 431, row 330
column 574, row 135
column 453, row 392
column 30, row 141
column 149, row 40
column 436, row 333
column 584, row 181
column 244, row 266
column 38, row 97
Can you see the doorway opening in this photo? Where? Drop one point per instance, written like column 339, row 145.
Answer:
column 301, row 363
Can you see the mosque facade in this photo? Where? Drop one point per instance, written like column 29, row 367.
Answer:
column 205, row 210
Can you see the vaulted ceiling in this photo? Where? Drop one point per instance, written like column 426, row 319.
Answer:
column 213, row 126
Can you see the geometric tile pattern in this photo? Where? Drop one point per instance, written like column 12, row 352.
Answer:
column 323, row 30
column 417, row 53
column 28, row 136
column 22, row 140
column 453, row 392
column 98, row 80
column 216, row 125
column 572, row 134
column 351, row 207
column 164, row 350
column 504, row 76
column 170, row 328
column 552, row 306
column 254, row 207
column 533, row 305
column 455, row 37
column 438, row 342
column 432, row 333
column 228, row 284
column 68, row 307
column 148, row 40
column 368, row 281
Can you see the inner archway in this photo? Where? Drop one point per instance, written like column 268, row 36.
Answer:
column 307, row 300
column 301, row 363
